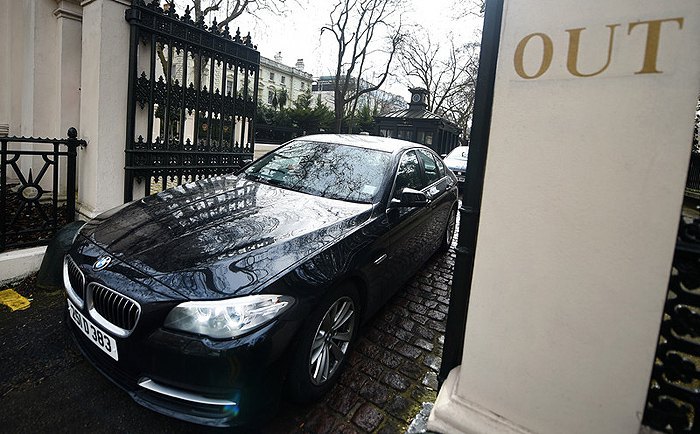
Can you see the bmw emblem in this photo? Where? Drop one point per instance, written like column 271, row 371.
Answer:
column 101, row 263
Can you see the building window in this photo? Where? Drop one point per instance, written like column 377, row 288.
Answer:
column 272, row 76
column 301, row 85
column 229, row 87
column 283, row 79
column 270, row 96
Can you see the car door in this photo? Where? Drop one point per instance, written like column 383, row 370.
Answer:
column 441, row 194
column 399, row 252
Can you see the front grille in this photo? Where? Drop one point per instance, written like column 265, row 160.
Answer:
column 76, row 279
column 117, row 309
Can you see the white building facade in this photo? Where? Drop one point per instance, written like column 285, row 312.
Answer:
column 276, row 78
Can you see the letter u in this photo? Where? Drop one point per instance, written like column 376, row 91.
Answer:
column 572, row 55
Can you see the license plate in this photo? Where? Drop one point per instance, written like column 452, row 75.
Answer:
column 460, row 178
column 103, row 341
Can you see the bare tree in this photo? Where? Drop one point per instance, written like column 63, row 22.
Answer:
column 447, row 71
column 473, row 7
column 355, row 24
column 227, row 10
column 459, row 105
column 440, row 70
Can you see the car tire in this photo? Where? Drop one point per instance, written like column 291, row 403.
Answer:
column 449, row 233
column 324, row 345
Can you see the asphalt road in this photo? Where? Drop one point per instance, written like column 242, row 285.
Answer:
column 47, row 386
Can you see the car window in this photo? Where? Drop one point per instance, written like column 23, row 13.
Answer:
column 324, row 169
column 408, row 174
column 432, row 173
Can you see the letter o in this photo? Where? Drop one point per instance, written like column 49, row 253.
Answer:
column 548, row 47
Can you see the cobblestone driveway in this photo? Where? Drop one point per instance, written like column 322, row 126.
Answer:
column 393, row 367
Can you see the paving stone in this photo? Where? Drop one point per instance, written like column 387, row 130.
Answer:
column 383, row 340
column 368, row 349
column 407, row 350
column 390, row 329
column 342, row 399
column 417, row 308
column 353, row 379
column 396, row 381
column 420, row 319
column 404, row 335
column 388, row 316
column 375, row 392
column 411, row 369
column 422, row 343
column 441, row 286
column 432, row 362
column 443, row 299
column 441, row 339
column 436, row 315
column 413, row 299
column 390, row 427
column 320, row 422
column 368, row 417
column 430, row 304
column 422, row 394
column 436, row 325
column 402, row 311
column 400, row 407
column 406, row 324
column 391, row 360
column 428, row 295
column 343, row 427
column 430, row 380
column 371, row 368
column 443, row 308
column 424, row 332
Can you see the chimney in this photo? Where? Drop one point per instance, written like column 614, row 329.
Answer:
column 300, row 64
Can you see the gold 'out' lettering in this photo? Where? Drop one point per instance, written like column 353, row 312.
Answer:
column 651, row 50
column 547, row 52
column 574, row 45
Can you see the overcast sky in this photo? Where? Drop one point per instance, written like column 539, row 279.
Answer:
column 297, row 34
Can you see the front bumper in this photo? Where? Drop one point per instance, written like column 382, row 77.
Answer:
column 216, row 383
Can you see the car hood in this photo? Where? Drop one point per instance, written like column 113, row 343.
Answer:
column 222, row 236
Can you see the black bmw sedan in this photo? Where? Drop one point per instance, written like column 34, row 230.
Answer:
column 204, row 301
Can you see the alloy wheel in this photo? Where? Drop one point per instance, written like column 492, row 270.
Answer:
column 331, row 341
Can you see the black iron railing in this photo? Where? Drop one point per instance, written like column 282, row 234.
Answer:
column 192, row 98
column 673, row 401
column 32, row 207
column 692, row 185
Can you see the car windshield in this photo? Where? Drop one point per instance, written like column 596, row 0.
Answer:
column 324, row 169
column 460, row 153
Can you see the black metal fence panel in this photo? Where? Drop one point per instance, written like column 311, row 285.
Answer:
column 673, row 401
column 32, row 208
column 192, row 98
column 692, row 185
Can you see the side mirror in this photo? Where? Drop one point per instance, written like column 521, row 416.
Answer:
column 410, row 198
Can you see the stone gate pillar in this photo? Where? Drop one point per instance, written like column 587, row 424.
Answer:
column 589, row 147
column 103, row 104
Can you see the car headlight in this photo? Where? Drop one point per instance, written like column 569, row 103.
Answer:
column 221, row 319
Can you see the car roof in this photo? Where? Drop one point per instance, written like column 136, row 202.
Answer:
column 385, row 144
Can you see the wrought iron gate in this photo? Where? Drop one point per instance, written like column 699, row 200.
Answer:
column 192, row 99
